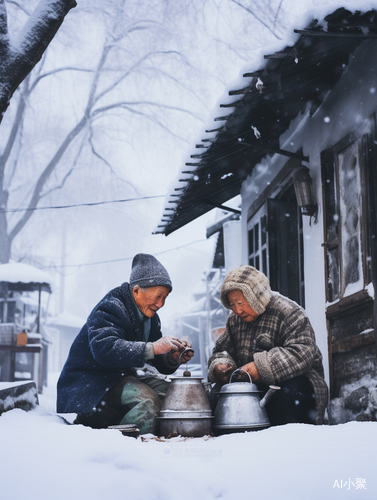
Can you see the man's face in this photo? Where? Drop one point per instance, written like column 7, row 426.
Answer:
column 241, row 307
column 151, row 299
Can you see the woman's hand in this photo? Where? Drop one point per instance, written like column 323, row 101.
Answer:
column 223, row 371
column 251, row 369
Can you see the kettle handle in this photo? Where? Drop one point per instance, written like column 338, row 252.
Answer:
column 185, row 350
column 240, row 370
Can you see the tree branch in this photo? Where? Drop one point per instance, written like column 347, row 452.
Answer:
column 132, row 69
column 4, row 36
column 45, row 175
column 19, row 58
column 154, row 120
column 278, row 12
column 54, row 71
column 19, row 6
column 92, row 99
column 16, row 124
column 125, row 105
column 257, row 18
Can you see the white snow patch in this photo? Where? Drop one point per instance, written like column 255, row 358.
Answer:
column 16, row 272
column 72, row 462
column 370, row 290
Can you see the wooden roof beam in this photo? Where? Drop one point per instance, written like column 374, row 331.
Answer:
column 278, row 151
column 213, row 130
column 240, row 91
column 334, row 34
column 223, row 207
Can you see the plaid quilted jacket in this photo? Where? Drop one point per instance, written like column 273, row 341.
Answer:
column 282, row 344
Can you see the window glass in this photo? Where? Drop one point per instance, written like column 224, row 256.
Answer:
column 258, row 255
column 343, row 177
column 350, row 218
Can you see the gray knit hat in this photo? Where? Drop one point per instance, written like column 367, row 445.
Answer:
column 147, row 271
column 252, row 283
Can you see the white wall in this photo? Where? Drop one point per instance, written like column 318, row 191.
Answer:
column 232, row 244
column 351, row 103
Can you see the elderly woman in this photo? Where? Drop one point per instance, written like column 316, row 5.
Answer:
column 114, row 371
column 271, row 338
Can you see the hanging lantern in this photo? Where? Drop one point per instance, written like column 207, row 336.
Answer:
column 303, row 185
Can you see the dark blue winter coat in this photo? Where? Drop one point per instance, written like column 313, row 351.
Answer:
column 108, row 346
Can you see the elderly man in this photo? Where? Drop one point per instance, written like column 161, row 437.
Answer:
column 113, row 371
column 270, row 337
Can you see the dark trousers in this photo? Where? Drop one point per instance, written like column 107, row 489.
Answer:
column 293, row 403
column 130, row 401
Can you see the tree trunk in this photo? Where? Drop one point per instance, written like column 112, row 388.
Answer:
column 5, row 242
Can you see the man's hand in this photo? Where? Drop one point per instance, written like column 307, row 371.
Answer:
column 251, row 369
column 183, row 355
column 167, row 344
column 223, row 371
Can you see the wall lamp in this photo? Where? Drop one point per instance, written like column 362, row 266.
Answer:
column 303, row 185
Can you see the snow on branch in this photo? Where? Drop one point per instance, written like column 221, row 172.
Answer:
column 41, row 27
column 4, row 38
column 19, row 55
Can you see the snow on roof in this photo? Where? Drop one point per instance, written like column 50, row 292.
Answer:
column 211, row 128
column 23, row 273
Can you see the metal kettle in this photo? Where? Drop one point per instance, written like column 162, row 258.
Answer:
column 186, row 410
column 240, row 408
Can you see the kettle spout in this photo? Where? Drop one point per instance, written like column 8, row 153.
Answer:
column 267, row 396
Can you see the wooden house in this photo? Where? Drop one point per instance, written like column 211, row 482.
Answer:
column 297, row 139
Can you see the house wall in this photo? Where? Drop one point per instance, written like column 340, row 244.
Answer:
column 350, row 104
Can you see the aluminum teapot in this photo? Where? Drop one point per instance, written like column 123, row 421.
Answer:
column 240, row 408
column 186, row 410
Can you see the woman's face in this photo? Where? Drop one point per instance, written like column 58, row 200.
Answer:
column 241, row 307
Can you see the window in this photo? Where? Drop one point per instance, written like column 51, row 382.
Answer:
column 346, row 238
column 349, row 194
column 257, row 230
column 11, row 308
column 276, row 245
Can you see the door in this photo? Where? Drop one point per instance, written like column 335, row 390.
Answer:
column 284, row 249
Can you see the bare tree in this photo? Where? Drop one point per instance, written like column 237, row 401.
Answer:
column 135, row 67
column 17, row 58
column 133, row 46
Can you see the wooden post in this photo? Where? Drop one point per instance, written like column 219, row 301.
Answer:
column 39, row 308
column 5, row 308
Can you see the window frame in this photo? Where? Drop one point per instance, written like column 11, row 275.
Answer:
column 333, row 226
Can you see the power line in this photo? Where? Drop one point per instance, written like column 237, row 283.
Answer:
column 120, row 260
column 57, row 207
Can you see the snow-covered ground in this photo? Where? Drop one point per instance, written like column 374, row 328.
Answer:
column 41, row 457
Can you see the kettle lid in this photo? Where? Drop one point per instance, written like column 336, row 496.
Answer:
column 239, row 388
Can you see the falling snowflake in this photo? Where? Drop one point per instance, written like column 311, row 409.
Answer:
column 259, row 85
column 256, row 132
